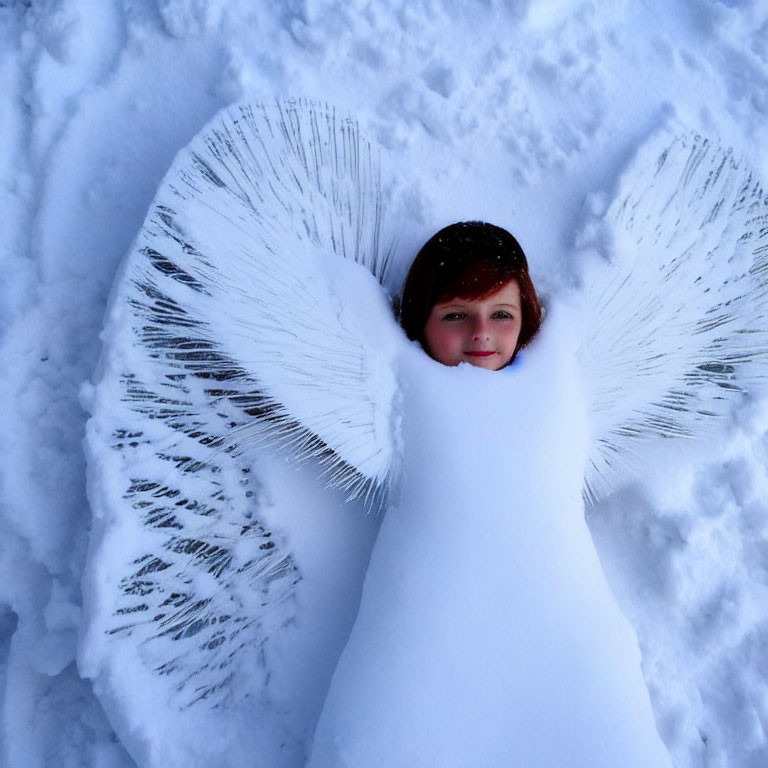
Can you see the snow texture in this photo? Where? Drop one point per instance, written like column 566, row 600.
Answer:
column 487, row 633
column 525, row 114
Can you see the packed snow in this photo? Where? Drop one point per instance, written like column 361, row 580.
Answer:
column 487, row 634
column 525, row 114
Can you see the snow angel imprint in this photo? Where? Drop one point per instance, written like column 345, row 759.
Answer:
column 253, row 316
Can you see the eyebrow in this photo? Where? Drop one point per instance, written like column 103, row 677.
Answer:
column 443, row 305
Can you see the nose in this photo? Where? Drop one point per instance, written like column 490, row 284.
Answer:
column 481, row 330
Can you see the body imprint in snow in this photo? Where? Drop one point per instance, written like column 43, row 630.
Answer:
column 487, row 634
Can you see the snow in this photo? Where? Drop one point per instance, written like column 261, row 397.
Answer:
column 521, row 113
column 487, row 633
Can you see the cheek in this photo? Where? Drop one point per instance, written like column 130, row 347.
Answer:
column 443, row 341
column 518, row 331
column 514, row 334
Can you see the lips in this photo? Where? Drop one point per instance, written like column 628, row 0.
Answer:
column 480, row 352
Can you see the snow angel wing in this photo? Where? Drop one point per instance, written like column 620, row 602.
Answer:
column 676, row 325
column 250, row 308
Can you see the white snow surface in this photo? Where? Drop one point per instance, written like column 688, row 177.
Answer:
column 487, row 634
column 521, row 113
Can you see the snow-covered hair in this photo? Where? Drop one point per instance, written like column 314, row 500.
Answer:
column 468, row 260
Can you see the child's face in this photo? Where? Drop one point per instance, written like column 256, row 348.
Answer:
column 481, row 332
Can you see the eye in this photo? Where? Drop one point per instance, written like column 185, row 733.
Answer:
column 453, row 316
column 502, row 315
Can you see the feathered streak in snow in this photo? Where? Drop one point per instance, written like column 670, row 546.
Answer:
column 677, row 324
column 224, row 335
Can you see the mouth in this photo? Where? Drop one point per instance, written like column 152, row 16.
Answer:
column 480, row 352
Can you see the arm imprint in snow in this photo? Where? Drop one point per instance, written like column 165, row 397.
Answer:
column 225, row 329
column 676, row 312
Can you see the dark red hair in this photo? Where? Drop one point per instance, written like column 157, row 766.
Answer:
column 467, row 260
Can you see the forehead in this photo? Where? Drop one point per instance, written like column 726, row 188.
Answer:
column 509, row 293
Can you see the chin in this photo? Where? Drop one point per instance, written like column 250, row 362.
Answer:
column 489, row 363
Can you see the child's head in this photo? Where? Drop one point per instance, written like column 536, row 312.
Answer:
column 468, row 296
